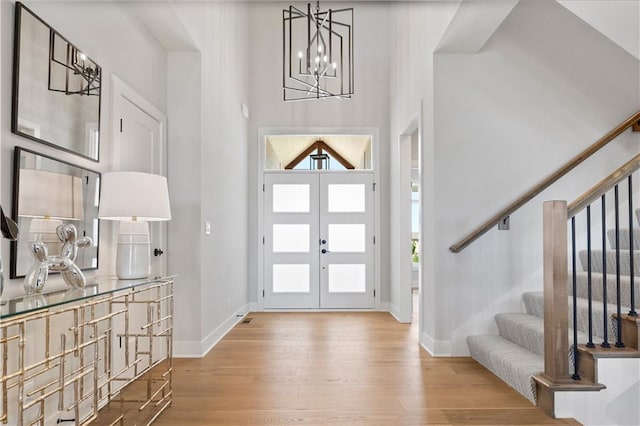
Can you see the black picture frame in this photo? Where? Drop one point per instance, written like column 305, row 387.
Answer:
column 91, row 178
column 64, row 104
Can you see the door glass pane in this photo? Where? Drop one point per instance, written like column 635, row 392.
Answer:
column 346, row 198
column 292, row 198
column 291, row 238
column 347, row 278
column 291, row 278
column 348, row 237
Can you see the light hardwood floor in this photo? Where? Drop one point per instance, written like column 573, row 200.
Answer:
column 337, row 369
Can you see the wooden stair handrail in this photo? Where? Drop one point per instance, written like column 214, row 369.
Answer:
column 570, row 165
column 603, row 186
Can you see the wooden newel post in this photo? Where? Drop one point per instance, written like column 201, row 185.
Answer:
column 556, row 292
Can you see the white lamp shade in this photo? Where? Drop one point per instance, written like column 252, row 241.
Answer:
column 134, row 195
column 50, row 195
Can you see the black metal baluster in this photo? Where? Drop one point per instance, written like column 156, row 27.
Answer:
column 632, row 310
column 605, row 331
column 575, row 375
column 589, row 291
column 619, row 343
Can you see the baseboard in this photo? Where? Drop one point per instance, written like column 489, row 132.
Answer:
column 395, row 312
column 191, row 349
column 216, row 335
column 383, row 307
column 436, row 348
column 187, row 349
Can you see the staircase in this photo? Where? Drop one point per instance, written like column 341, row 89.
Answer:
column 516, row 354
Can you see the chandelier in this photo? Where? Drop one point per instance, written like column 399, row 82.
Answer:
column 317, row 53
column 71, row 71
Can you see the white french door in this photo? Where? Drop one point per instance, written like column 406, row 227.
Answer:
column 319, row 240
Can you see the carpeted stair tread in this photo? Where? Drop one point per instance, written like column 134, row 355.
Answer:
column 582, row 287
column 624, row 238
column 513, row 364
column 522, row 329
column 534, row 304
column 528, row 331
column 625, row 261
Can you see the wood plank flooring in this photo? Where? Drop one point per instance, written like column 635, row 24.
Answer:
column 337, row 369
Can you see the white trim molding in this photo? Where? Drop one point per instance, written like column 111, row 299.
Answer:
column 436, row 348
column 192, row 349
column 397, row 314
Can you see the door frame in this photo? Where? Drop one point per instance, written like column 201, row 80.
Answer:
column 121, row 91
column 263, row 132
column 401, row 231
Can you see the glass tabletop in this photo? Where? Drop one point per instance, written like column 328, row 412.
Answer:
column 100, row 286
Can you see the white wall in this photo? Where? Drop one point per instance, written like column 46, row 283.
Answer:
column 122, row 47
column 369, row 107
column 224, row 174
column 544, row 87
column 184, row 106
column 416, row 30
column 615, row 405
column 206, row 90
column 616, row 20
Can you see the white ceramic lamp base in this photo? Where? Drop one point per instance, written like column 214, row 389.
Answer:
column 133, row 259
column 45, row 230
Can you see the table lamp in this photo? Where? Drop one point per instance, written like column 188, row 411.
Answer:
column 134, row 199
column 48, row 199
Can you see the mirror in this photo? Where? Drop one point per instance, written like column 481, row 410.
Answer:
column 56, row 88
column 46, row 194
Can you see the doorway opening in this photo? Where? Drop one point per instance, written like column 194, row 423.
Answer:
column 318, row 222
column 416, row 264
column 407, row 292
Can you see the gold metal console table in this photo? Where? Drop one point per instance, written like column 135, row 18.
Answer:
column 64, row 356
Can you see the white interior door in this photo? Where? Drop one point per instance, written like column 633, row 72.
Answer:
column 139, row 145
column 318, row 240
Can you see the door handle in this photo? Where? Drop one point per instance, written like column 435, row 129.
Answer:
column 323, row 251
column 323, row 241
column 157, row 252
